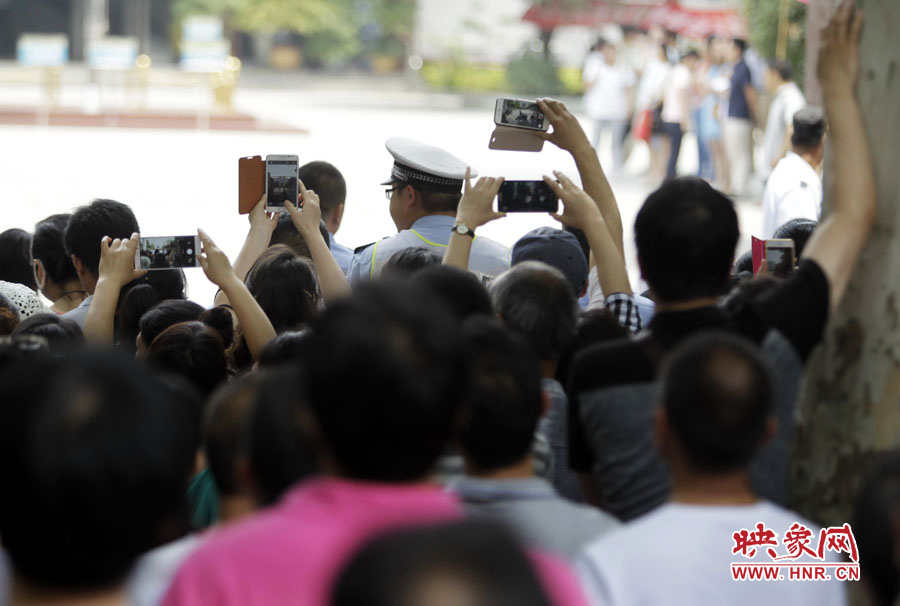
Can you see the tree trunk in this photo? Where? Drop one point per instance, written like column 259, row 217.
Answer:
column 849, row 407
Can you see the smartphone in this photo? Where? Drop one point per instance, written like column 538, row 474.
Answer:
column 518, row 113
column 167, row 252
column 780, row 257
column 526, row 196
column 281, row 182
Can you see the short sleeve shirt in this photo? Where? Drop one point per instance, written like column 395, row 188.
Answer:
column 737, row 102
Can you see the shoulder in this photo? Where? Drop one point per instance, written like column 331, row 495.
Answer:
column 609, row 364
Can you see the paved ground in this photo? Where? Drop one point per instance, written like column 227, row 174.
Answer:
column 177, row 181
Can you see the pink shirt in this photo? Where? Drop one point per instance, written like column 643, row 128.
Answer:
column 290, row 554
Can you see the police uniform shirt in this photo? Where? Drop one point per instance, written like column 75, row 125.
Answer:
column 487, row 259
column 793, row 191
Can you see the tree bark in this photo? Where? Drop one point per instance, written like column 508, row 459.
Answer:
column 849, row 407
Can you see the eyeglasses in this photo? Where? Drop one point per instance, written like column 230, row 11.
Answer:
column 388, row 193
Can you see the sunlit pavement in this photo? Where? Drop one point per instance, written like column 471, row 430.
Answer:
column 177, row 180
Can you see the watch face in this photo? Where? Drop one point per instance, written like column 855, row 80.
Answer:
column 461, row 229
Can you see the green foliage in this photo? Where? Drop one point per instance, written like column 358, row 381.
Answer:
column 763, row 17
column 534, row 73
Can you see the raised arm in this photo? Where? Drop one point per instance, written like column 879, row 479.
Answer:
column 255, row 324
column 116, row 270
column 262, row 225
column 840, row 237
column 568, row 135
column 474, row 210
column 332, row 280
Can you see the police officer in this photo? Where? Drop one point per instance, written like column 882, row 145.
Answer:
column 424, row 190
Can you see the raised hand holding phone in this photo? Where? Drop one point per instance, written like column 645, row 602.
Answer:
column 117, row 260
column 579, row 209
column 476, row 207
column 215, row 263
column 307, row 219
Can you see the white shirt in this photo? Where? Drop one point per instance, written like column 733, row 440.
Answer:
column 607, row 97
column 675, row 97
column 793, row 190
column 787, row 102
column 650, row 90
column 681, row 555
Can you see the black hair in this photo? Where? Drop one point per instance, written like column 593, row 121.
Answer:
column 287, row 347
column 438, row 201
column 502, row 399
column 746, row 291
column 593, row 326
column 286, row 286
column 599, row 44
column 100, row 453
column 410, row 260
column 740, row 43
column 139, row 296
column 399, row 348
column 686, row 233
column 799, row 230
column 286, row 233
column 744, row 264
column 195, row 350
column 782, row 68
column 481, row 559
column 15, row 258
column 809, row 128
column 874, row 524
column 537, row 302
column 717, row 391
column 90, row 223
column 165, row 314
column 59, row 331
column 328, row 183
column 460, row 291
column 47, row 245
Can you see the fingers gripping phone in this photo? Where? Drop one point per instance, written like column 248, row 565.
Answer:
column 167, row 252
column 526, row 196
column 518, row 113
column 281, row 181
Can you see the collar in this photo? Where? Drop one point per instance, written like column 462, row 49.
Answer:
column 801, row 164
column 435, row 221
column 472, row 489
column 345, row 494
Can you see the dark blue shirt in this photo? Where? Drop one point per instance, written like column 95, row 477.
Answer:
column 737, row 102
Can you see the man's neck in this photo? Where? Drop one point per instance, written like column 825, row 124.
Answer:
column 662, row 306
column 548, row 369
column 808, row 157
column 522, row 470
column 23, row 593
column 694, row 488
column 89, row 283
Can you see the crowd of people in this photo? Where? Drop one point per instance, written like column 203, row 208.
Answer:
column 655, row 88
column 432, row 419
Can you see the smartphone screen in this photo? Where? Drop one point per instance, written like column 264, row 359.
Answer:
column 167, row 252
column 780, row 257
column 281, row 183
column 526, row 196
column 520, row 114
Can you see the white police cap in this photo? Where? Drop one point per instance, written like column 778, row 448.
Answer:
column 425, row 166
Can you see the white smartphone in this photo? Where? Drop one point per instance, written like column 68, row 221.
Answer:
column 168, row 252
column 281, row 181
column 519, row 113
column 780, row 257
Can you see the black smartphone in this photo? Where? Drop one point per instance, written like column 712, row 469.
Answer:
column 167, row 252
column 281, row 181
column 526, row 197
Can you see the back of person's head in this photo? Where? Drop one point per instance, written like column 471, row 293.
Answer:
column 799, row 230
column 286, row 233
column 593, row 326
column 9, row 316
column 717, row 394
column 740, row 44
column 384, row 372
column 686, row 233
column 557, row 248
column 328, row 183
column 537, row 302
column 408, row 261
column 286, row 286
column 782, row 68
column 286, row 348
column 59, row 332
column 809, row 128
column 747, row 291
column 165, row 314
column 195, row 350
column 141, row 295
column 502, row 399
column 100, row 454
column 15, row 258
column 47, row 246
column 461, row 292
column 743, row 265
column 470, row 562
column 874, row 524
column 90, row 223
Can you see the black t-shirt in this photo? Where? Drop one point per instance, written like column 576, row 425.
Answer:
column 796, row 307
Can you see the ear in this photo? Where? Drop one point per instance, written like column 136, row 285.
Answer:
column 545, row 404
column 411, row 197
column 338, row 214
column 769, row 431
column 661, row 430
column 79, row 266
column 39, row 273
column 246, row 482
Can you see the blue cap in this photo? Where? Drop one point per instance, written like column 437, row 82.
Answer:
column 556, row 248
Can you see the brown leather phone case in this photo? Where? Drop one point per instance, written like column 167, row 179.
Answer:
column 515, row 139
column 251, row 182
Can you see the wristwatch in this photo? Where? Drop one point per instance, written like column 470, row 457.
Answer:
column 463, row 230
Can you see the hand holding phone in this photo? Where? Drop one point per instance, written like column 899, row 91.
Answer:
column 167, row 252
column 518, row 113
column 281, row 181
column 476, row 205
column 578, row 207
column 526, row 196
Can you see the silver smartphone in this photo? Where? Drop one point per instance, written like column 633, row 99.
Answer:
column 519, row 113
column 281, row 181
column 168, row 252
